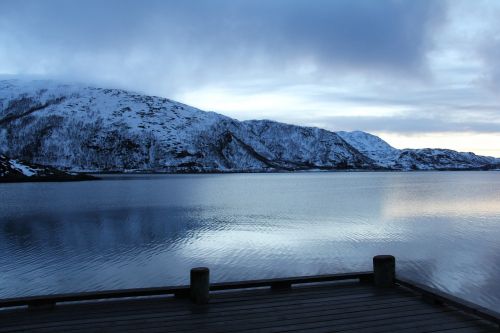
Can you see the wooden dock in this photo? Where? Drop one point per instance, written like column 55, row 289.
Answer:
column 356, row 302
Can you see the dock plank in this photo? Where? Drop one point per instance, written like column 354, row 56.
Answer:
column 172, row 318
column 174, row 307
column 329, row 307
column 205, row 318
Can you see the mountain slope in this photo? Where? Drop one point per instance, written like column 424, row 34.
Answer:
column 75, row 127
column 84, row 128
column 371, row 146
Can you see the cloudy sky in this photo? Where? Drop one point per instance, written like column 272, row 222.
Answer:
column 417, row 73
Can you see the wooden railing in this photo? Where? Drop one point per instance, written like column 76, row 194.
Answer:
column 440, row 297
column 382, row 276
column 278, row 283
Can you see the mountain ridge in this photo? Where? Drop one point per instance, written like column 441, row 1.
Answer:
column 81, row 128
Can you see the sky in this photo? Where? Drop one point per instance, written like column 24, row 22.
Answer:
column 419, row 74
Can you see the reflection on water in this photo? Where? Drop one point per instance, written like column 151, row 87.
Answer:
column 139, row 231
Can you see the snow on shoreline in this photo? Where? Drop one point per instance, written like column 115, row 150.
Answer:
column 27, row 171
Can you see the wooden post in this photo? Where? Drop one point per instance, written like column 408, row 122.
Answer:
column 384, row 271
column 200, row 285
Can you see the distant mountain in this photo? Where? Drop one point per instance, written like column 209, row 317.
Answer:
column 80, row 128
column 18, row 171
column 386, row 156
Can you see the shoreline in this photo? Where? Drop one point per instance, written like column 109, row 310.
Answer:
column 92, row 176
column 42, row 179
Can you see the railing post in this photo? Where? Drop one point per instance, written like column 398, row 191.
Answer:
column 384, row 271
column 200, row 285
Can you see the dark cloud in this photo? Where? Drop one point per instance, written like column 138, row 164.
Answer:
column 194, row 41
column 452, row 99
column 486, row 43
column 421, row 64
column 491, row 57
column 406, row 124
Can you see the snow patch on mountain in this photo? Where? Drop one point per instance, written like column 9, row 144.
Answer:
column 372, row 146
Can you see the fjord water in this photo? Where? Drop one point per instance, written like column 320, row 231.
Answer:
column 149, row 230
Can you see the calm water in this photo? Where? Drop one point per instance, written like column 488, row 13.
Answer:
column 141, row 231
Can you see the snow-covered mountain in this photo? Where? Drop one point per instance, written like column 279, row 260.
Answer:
column 15, row 171
column 79, row 128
